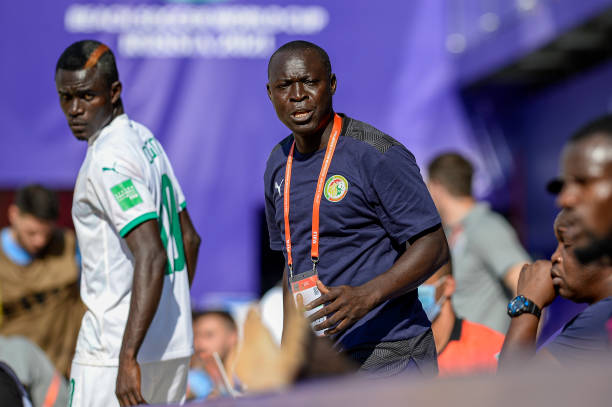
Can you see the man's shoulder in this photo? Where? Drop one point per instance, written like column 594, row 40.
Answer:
column 280, row 151
column 368, row 135
column 595, row 316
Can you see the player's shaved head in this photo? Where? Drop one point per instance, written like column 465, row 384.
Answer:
column 301, row 46
column 86, row 54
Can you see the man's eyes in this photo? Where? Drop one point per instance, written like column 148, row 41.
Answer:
column 65, row 97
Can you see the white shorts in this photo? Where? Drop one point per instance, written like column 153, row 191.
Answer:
column 162, row 383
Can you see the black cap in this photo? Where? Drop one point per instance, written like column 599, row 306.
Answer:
column 555, row 185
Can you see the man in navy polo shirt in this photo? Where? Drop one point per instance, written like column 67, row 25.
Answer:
column 376, row 234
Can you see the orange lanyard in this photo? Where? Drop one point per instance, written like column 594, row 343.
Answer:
column 329, row 153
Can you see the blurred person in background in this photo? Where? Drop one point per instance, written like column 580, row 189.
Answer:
column 44, row 385
column 585, row 337
column 39, row 272
column 138, row 245
column 380, row 234
column 486, row 254
column 463, row 346
column 214, row 331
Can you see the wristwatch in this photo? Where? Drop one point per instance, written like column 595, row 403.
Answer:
column 520, row 305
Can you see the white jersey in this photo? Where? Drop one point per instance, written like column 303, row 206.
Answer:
column 125, row 180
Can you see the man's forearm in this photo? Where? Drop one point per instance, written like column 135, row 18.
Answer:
column 420, row 260
column 520, row 342
column 191, row 242
column 146, row 293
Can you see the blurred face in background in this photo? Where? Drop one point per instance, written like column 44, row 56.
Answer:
column 587, row 186
column 31, row 233
column 212, row 333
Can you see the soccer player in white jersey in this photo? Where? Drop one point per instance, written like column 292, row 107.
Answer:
column 138, row 245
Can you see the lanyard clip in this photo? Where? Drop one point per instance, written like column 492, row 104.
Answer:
column 290, row 270
column 315, row 260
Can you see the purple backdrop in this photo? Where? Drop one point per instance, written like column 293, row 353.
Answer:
column 194, row 72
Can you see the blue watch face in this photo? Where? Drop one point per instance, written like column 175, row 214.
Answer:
column 517, row 305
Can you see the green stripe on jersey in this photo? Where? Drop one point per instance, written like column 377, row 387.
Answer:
column 135, row 222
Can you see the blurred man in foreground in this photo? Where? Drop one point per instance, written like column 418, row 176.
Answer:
column 380, row 235
column 463, row 346
column 585, row 337
column 138, row 245
column 585, row 187
column 486, row 253
column 39, row 274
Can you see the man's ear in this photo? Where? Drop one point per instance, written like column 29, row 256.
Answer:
column 449, row 286
column 13, row 213
column 333, row 82
column 269, row 91
column 116, row 91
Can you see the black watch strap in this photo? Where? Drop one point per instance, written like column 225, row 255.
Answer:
column 521, row 305
column 532, row 308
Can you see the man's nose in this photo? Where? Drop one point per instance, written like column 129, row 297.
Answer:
column 297, row 92
column 39, row 241
column 75, row 108
column 569, row 195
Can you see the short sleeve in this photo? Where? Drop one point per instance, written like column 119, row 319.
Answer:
column 498, row 246
column 276, row 241
column 585, row 337
column 405, row 206
column 122, row 191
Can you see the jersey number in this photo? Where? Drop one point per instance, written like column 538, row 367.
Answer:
column 173, row 235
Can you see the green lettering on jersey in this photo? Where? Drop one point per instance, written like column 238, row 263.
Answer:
column 126, row 194
column 150, row 150
column 173, row 235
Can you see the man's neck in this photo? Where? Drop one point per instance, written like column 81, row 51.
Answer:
column 442, row 326
column 603, row 289
column 309, row 143
column 117, row 111
column 456, row 209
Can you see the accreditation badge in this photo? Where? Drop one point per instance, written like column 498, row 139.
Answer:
column 306, row 285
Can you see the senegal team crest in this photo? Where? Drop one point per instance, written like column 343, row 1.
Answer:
column 335, row 188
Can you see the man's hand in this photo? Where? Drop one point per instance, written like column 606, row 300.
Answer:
column 128, row 383
column 535, row 283
column 347, row 304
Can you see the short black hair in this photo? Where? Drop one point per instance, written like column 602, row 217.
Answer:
column 38, row 201
column 224, row 315
column 76, row 56
column 299, row 45
column 600, row 125
column 454, row 172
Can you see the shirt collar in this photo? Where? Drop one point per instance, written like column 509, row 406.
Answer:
column 122, row 118
column 13, row 250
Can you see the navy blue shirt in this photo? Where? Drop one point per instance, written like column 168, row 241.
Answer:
column 585, row 337
column 374, row 201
